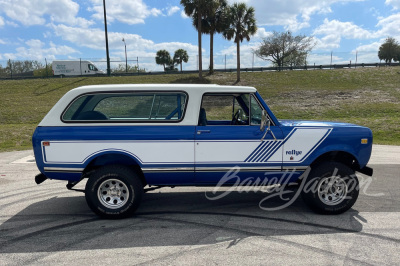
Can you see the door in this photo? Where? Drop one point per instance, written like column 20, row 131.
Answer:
column 229, row 145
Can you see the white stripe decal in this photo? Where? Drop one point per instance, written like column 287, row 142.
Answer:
column 295, row 148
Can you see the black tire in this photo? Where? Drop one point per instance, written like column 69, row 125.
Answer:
column 114, row 192
column 327, row 195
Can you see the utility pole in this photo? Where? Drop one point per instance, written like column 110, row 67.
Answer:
column 47, row 74
column 126, row 57
column 106, row 34
column 356, row 59
column 225, row 62
column 11, row 69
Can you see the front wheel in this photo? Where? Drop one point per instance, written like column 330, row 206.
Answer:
column 330, row 188
column 114, row 192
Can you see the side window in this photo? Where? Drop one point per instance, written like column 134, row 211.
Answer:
column 223, row 110
column 256, row 111
column 91, row 67
column 74, row 108
column 128, row 107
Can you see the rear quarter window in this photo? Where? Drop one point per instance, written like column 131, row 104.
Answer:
column 127, row 107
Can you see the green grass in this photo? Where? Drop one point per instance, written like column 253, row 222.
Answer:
column 365, row 96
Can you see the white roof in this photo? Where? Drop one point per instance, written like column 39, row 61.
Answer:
column 195, row 92
column 161, row 87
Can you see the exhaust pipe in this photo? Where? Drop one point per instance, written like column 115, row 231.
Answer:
column 40, row 178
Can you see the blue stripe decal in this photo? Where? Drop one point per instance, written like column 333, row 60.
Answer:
column 259, row 150
column 270, row 145
column 262, row 144
column 281, row 144
column 264, row 151
column 274, row 148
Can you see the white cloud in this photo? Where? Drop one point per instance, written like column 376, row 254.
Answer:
column 369, row 47
column 394, row 3
column 328, row 42
column 261, row 34
column 34, row 49
column 12, row 24
column 94, row 38
column 1, row 22
column 345, row 29
column 332, row 32
column 389, row 26
column 244, row 49
column 294, row 15
column 183, row 14
column 35, row 12
column 129, row 12
column 2, row 41
column 172, row 10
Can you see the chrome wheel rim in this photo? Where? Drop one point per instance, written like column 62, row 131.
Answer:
column 332, row 190
column 113, row 193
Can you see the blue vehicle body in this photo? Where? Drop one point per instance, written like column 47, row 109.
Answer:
column 191, row 154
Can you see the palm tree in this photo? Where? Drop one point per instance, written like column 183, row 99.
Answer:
column 163, row 58
column 214, row 22
column 197, row 9
column 180, row 56
column 242, row 25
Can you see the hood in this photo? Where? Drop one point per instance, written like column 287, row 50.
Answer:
column 302, row 123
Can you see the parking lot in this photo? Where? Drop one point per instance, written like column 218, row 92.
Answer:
column 47, row 224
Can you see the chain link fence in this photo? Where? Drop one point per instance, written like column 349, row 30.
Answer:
column 27, row 68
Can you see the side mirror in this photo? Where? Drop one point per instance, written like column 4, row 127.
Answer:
column 264, row 121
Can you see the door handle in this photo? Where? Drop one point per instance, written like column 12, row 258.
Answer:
column 199, row 132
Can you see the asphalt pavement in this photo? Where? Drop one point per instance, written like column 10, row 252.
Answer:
column 47, row 224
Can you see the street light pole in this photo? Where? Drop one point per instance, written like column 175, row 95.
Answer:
column 106, row 34
column 126, row 57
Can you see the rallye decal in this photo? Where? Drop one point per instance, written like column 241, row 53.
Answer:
column 295, row 148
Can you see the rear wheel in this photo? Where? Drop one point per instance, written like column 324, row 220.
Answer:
column 331, row 188
column 114, row 192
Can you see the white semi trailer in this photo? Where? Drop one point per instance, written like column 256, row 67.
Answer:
column 75, row 68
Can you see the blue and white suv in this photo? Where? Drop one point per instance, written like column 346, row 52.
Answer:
column 124, row 137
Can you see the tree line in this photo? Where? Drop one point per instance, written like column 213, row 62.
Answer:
column 25, row 67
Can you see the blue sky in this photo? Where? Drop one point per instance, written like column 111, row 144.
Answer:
column 70, row 29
